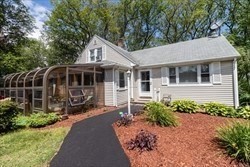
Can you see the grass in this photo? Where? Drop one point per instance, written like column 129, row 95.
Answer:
column 30, row 147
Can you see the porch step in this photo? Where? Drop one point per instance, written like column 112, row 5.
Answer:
column 142, row 101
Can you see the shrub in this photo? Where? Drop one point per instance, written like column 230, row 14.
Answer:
column 244, row 112
column 218, row 109
column 144, row 141
column 125, row 120
column 159, row 114
column 8, row 113
column 235, row 139
column 22, row 121
column 187, row 106
column 41, row 119
column 37, row 120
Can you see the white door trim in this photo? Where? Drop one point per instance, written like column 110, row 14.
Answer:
column 144, row 94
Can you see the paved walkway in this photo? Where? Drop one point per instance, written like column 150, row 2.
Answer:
column 93, row 143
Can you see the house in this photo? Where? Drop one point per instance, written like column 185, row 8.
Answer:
column 202, row 70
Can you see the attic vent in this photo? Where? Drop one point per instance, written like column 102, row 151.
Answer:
column 215, row 29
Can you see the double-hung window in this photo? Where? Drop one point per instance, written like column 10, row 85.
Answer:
column 172, row 75
column 95, row 54
column 121, row 79
column 92, row 55
column 205, row 75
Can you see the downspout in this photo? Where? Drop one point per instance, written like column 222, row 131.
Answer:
column 235, row 82
column 114, row 88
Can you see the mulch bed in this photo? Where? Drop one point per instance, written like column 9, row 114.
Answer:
column 73, row 118
column 192, row 143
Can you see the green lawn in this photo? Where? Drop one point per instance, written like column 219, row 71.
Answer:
column 30, row 147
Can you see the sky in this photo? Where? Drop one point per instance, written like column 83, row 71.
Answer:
column 39, row 9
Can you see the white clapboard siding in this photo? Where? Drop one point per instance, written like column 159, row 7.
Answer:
column 222, row 93
column 108, row 87
column 122, row 96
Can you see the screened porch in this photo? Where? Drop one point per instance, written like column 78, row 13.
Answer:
column 55, row 89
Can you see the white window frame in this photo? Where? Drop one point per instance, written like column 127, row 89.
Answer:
column 199, row 83
column 125, row 80
column 95, row 54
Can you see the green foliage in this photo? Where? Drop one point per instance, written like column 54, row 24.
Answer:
column 37, row 120
column 8, row 113
column 236, row 140
column 16, row 23
column 159, row 114
column 218, row 109
column 244, row 112
column 187, row 106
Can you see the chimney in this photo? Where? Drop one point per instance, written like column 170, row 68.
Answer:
column 120, row 43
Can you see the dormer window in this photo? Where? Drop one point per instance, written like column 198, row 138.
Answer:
column 95, row 54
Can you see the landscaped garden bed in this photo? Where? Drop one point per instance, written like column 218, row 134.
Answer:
column 192, row 143
column 81, row 116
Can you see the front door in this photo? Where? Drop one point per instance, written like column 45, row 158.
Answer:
column 145, row 83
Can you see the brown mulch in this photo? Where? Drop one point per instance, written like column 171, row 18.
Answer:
column 73, row 118
column 190, row 144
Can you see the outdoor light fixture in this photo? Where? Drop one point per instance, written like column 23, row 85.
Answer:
column 129, row 76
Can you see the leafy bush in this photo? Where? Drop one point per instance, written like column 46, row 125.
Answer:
column 187, row 106
column 41, row 119
column 160, row 114
column 22, row 121
column 8, row 113
column 235, row 139
column 37, row 120
column 144, row 141
column 125, row 120
column 244, row 112
column 218, row 109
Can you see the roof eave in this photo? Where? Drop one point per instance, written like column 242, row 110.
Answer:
column 187, row 62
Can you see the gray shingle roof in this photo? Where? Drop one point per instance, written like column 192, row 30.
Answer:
column 120, row 50
column 188, row 51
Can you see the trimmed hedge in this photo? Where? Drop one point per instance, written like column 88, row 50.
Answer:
column 8, row 113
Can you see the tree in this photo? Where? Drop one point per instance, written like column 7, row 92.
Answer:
column 238, row 23
column 73, row 23
column 15, row 24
